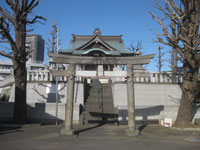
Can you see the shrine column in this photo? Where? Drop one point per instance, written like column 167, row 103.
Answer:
column 68, row 128
column 131, row 131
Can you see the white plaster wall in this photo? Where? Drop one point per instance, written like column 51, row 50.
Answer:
column 39, row 111
column 119, row 94
column 147, row 94
column 157, row 94
column 37, row 92
column 41, row 104
column 152, row 101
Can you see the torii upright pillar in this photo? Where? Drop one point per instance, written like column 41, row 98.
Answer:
column 68, row 128
column 131, row 131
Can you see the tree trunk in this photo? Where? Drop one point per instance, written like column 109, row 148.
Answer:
column 172, row 66
column 20, row 73
column 190, row 64
column 20, row 93
column 184, row 116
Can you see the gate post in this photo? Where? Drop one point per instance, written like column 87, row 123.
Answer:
column 131, row 131
column 68, row 128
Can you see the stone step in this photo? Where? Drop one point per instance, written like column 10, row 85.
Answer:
column 93, row 113
column 92, row 117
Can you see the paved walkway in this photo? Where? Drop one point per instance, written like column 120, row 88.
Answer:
column 94, row 137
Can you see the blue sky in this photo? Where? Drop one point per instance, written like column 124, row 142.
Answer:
column 113, row 17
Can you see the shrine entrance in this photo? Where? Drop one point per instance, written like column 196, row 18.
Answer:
column 129, row 61
column 98, row 103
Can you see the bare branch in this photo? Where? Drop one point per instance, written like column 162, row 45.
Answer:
column 7, row 15
column 161, row 40
column 161, row 9
column 8, row 55
column 28, row 8
column 35, row 19
column 5, row 32
column 137, row 49
column 23, row 5
column 165, row 31
column 51, row 43
column 175, row 7
column 159, row 60
column 31, row 4
column 4, row 41
column 166, row 35
column 16, row 8
column 186, row 42
column 9, row 2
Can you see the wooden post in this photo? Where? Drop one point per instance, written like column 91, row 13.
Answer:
column 68, row 129
column 131, row 131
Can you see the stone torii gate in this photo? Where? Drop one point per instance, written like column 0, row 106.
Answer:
column 129, row 61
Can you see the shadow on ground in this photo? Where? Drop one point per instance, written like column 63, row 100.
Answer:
column 9, row 129
column 77, row 132
column 89, row 127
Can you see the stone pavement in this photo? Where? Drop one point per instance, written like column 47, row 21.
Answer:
column 96, row 137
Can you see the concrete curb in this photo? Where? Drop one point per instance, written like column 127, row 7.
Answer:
column 11, row 125
column 186, row 129
column 18, row 125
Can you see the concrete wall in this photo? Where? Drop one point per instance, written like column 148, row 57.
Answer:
column 38, row 92
column 41, row 101
column 38, row 111
column 153, row 101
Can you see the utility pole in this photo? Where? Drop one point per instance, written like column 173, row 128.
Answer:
column 57, row 48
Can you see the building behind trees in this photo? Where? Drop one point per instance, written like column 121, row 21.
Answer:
column 35, row 45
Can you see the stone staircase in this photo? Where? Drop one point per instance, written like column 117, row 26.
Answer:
column 99, row 107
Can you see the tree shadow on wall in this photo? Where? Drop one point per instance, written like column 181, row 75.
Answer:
column 50, row 97
column 144, row 113
column 38, row 114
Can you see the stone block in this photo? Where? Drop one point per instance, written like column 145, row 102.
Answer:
column 132, row 132
column 65, row 131
column 197, row 121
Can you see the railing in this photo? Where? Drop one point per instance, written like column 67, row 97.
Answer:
column 152, row 77
column 42, row 75
column 6, row 70
column 155, row 77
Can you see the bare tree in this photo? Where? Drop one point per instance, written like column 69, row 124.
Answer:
column 137, row 49
column 51, row 42
column 174, row 62
column 17, row 19
column 160, row 59
column 183, row 36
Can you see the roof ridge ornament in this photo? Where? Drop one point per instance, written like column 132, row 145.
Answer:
column 97, row 32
